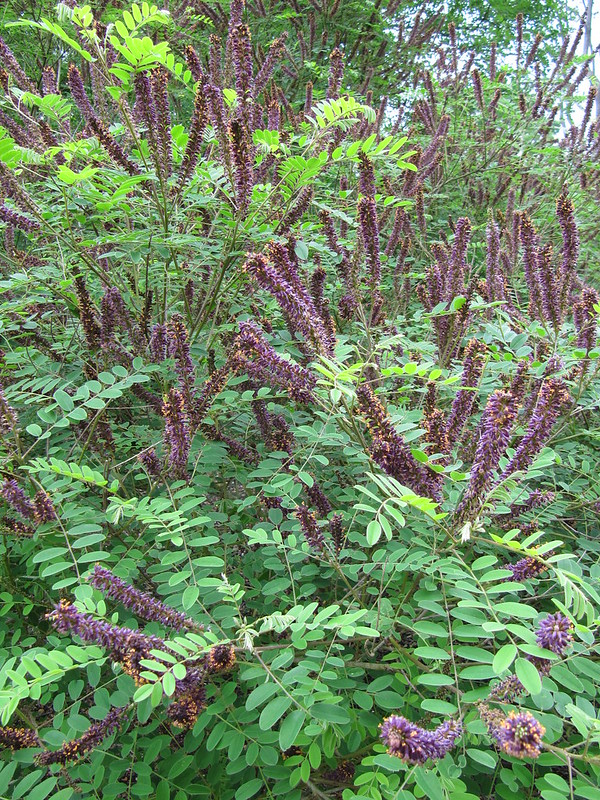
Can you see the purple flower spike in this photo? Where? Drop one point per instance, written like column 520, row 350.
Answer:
column 415, row 745
column 141, row 603
column 16, row 498
column 92, row 738
column 555, row 633
column 310, row 529
column 520, row 735
column 176, row 434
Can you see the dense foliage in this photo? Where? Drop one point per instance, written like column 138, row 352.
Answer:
column 298, row 402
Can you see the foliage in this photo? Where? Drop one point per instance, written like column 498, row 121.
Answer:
column 298, row 397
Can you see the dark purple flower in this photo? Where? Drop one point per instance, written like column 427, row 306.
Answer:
column 160, row 90
column 336, row 74
column 241, row 149
column 526, row 568
column 275, row 53
column 279, row 276
column 218, row 120
column 337, row 533
column 552, row 399
column 143, row 604
column 44, row 510
column 7, row 58
column 242, row 65
column 462, row 406
column 18, row 738
column 187, row 707
column 87, row 313
column 495, row 430
column 158, row 343
column 555, row 633
column 125, row 645
column 520, row 735
column 194, row 65
column 178, row 347
column 369, row 231
column 78, row 93
column 566, row 218
column 220, row 658
column 207, row 393
column 260, row 361
column 90, row 740
column 455, row 281
column 319, row 499
column 151, row 462
column 415, row 745
column 585, row 319
column 238, row 449
column 310, row 528
column 176, row 434
column 17, row 220
column 16, row 498
column 8, row 417
column 492, row 717
column 300, row 207
column 388, row 449
column 477, row 87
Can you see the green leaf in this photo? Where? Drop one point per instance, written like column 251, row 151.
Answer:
column 504, row 658
column 528, row 675
column 329, row 713
column 249, row 789
column 290, row 728
column 273, row 712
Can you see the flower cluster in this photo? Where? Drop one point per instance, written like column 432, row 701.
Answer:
column 552, row 399
column 18, row 738
column 415, row 745
column 127, row 646
column 464, row 401
column 555, row 633
column 258, row 359
column 494, row 435
column 310, row 528
column 276, row 273
column 176, row 434
column 92, row 738
column 388, row 449
column 520, row 735
column 220, row 658
column 141, row 603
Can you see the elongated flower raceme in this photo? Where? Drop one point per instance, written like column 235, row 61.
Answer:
column 18, row 738
column 178, row 347
column 43, row 508
column 275, row 272
column 585, row 319
column 552, row 399
column 494, row 435
column 274, row 55
column 17, row 220
column 142, row 604
column 176, row 434
column 310, row 528
column 158, row 343
column 566, row 218
column 160, row 80
column 90, row 740
column 415, row 745
column 464, row 401
column 10, row 63
column 194, row 142
column 16, row 498
column 369, row 231
column 255, row 356
column 125, row 645
column 87, row 313
column 526, row 568
column 241, row 149
column 520, row 735
column 388, row 449
column 336, row 74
